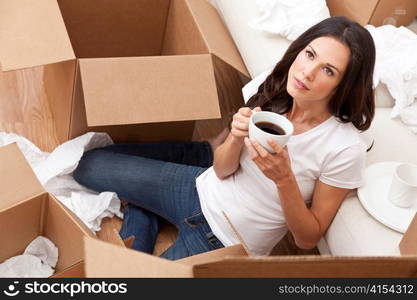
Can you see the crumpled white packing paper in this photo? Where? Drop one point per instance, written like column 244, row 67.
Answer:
column 54, row 171
column 289, row 18
column 396, row 66
column 38, row 260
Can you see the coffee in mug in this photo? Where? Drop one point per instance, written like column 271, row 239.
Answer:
column 265, row 125
column 270, row 128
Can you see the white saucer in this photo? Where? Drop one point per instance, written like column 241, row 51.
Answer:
column 374, row 197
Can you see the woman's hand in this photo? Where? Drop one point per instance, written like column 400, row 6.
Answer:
column 240, row 124
column 276, row 166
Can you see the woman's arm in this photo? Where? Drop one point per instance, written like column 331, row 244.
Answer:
column 227, row 155
column 307, row 225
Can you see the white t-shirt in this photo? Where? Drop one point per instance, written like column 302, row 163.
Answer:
column 332, row 152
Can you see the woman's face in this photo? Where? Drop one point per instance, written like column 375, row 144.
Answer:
column 317, row 70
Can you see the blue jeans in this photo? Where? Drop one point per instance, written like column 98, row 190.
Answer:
column 158, row 181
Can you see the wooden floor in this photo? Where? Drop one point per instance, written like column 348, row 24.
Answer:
column 24, row 110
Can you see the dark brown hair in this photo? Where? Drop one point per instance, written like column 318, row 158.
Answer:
column 353, row 100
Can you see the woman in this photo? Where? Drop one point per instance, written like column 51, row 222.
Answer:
column 323, row 85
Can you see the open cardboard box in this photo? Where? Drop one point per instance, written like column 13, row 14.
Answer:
column 166, row 63
column 375, row 12
column 112, row 260
column 28, row 211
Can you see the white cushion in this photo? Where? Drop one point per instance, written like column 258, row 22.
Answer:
column 354, row 232
column 393, row 141
column 259, row 50
column 383, row 97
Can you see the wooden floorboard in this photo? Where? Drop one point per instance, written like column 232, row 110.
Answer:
column 24, row 108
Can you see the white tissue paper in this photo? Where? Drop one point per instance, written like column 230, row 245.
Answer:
column 38, row 260
column 396, row 66
column 289, row 18
column 54, row 171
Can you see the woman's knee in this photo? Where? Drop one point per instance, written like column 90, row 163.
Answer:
column 89, row 166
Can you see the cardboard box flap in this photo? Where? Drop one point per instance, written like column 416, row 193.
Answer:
column 143, row 89
column 107, row 260
column 408, row 244
column 62, row 226
column 215, row 255
column 215, row 34
column 309, row 266
column 397, row 13
column 32, row 33
column 17, row 180
column 75, row 271
column 20, row 225
column 357, row 10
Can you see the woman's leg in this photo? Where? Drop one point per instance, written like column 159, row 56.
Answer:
column 166, row 189
column 188, row 153
column 158, row 186
column 194, row 237
column 143, row 225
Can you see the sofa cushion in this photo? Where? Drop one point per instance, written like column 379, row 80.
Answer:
column 355, row 232
column 258, row 49
column 393, row 141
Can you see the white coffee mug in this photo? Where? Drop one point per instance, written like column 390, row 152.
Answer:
column 261, row 136
column 403, row 190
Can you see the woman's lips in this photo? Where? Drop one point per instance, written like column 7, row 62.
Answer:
column 300, row 85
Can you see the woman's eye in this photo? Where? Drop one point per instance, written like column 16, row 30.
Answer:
column 309, row 54
column 328, row 71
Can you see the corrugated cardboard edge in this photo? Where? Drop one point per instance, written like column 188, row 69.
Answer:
column 75, row 271
column 107, row 260
column 237, row 234
column 310, row 267
column 408, row 244
column 215, row 255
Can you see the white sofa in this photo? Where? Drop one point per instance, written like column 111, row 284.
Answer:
column 353, row 231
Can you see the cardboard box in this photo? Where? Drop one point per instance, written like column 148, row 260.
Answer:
column 28, row 211
column 165, row 63
column 111, row 260
column 375, row 12
column 408, row 244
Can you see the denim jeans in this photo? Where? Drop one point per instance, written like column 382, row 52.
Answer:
column 158, row 181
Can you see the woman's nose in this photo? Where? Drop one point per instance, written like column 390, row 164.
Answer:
column 309, row 72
